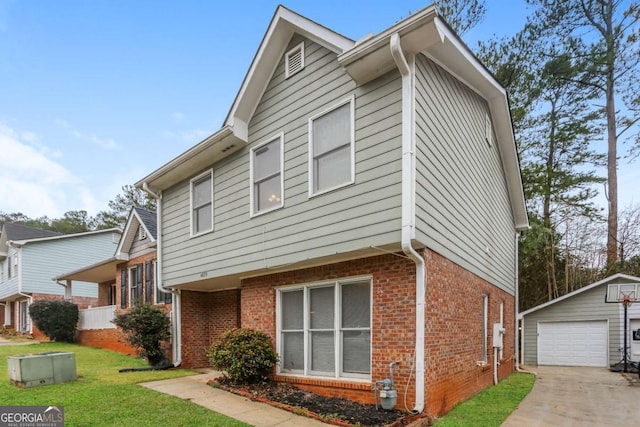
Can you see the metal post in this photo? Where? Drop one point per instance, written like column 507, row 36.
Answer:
column 626, row 304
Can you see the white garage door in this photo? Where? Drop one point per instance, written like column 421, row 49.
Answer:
column 573, row 343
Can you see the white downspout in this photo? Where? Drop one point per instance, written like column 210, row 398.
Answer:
column 176, row 345
column 408, row 208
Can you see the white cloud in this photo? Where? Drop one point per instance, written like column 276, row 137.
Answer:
column 106, row 143
column 33, row 183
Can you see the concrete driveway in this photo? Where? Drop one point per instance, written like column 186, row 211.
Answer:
column 571, row 396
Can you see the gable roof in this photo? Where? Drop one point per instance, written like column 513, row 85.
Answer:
column 619, row 278
column 148, row 220
column 423, row 32
column 138, row 217
column 12, row 232
column 22, row 232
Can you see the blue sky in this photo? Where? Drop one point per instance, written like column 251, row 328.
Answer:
column 97, row 94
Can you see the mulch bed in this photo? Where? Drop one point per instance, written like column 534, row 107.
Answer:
column 331, row 410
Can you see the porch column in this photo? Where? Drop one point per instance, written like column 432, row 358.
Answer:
column 67, row 291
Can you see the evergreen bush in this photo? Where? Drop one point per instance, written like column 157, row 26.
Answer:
column 245, row 355
column 55, row 318
column 145, row 327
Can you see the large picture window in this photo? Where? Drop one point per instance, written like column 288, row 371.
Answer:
column 331, row 151
column 266, row 176
column 202, row 203
column 325, row 329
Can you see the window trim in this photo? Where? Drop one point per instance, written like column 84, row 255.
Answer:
column 192, row 182
column 349, row 100
column 307, row 372
column 252, row 204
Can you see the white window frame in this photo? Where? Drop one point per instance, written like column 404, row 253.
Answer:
column 192, row 183
column 287, row 56
column 350, row 100
column 252, row 201
column 130, row 281
column 307, row 372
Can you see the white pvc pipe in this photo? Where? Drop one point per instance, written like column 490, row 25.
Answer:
column 408, row 203
column 176, row 345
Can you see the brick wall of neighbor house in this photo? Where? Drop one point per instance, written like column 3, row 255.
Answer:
column 81, row 302
column 453, row 326
column 205, row 316
column 108, row 339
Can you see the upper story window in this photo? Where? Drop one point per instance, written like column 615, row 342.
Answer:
column 267, row 162
column 331, row 148
column 325, row 329
column 202, row 203
column 294, row 61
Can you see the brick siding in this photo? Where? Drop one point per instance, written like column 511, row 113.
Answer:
column 453, row 326
column 205, row 316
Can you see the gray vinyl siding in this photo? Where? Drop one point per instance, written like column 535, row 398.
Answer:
column 357, row 216
column 139, row 248
column 41, row 261
column 588, row 305
column 462, row 202
column 9, row 285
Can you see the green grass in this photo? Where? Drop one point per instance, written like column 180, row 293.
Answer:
column 491, row 406
column 104, row 397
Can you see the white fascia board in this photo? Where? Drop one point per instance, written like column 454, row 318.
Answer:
column 124, row 245
column 212, row 149
column 274, row 43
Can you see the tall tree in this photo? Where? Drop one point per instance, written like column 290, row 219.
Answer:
column 119, row 207
column 72, row 222
column 462, row 15
column 609, row 31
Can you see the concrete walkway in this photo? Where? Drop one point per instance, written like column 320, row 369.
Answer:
column 195, row 389
column 571, row 396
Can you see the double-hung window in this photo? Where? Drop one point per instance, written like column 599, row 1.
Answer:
column 202, row 203
column 331, row 148
column 325, row 329
column 267, row 162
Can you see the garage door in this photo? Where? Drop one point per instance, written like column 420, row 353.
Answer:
column 573, row 343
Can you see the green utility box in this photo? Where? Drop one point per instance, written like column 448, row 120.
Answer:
column 40, row 369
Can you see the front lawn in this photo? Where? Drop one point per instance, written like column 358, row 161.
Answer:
column 104, row 397
column 492, row 406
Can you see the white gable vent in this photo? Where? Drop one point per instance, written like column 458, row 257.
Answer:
column 294, row 60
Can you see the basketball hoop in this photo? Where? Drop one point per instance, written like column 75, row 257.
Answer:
column 627, row 298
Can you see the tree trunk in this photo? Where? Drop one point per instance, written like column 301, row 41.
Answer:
column 612, row 151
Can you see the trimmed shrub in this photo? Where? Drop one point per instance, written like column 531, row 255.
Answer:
column 56, row 319
column 245, row 355
column 145, row 327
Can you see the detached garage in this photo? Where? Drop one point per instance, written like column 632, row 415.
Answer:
column 578, row 329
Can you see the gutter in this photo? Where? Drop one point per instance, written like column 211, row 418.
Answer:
column 408, row 208
column 176, row 326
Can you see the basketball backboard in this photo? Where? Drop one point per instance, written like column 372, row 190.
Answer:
column 617, row 292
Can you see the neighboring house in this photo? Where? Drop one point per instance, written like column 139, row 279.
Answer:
column 361, row 206
column 129, row 275
column 581, row 329
column 29, row 258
